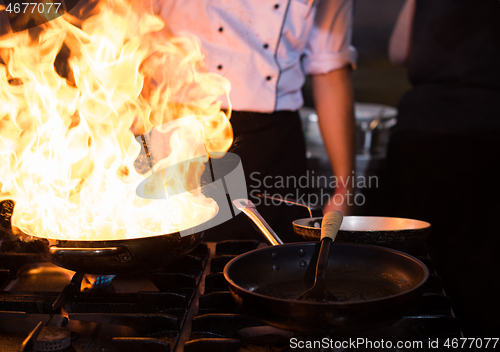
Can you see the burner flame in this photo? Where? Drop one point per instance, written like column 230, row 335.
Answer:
column 96, row 281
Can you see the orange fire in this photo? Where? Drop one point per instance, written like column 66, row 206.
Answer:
column 72, row 91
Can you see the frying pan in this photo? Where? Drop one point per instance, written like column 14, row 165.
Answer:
column 139, row 254
column 375, row 286
column 112, row 257
column 406, row 235
column 115, row 256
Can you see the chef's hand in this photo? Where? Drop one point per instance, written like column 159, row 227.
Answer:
column 340, row 201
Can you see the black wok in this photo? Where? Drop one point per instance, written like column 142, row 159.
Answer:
column 138, row 254
column 375, row 285
column 115, row 256
column 111, row 257
column 402, row 234
column 118, row 256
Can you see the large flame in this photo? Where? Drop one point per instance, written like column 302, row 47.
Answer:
column 71, row 91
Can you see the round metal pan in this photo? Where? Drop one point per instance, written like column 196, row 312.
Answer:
column 407, row 235
column 111, row 257
column 118, row 256
column 375, row 286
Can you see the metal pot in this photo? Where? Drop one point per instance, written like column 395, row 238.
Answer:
column 373, row 128
column 373, row 124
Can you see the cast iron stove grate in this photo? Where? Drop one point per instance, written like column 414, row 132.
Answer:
column 143, row 312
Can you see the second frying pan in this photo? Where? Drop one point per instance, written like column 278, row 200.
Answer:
column 407, row 235
column 375, row 286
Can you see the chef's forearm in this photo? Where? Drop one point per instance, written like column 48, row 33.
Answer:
column 333, row 97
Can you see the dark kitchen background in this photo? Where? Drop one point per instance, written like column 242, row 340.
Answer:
column 376, row 80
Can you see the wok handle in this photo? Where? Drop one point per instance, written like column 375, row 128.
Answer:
column 331, row 224
column 87, row 252
column 248, row 208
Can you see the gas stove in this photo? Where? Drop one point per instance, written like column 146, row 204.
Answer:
column 183, row 307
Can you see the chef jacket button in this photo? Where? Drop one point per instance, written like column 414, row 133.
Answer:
column 266, row 46
column 221, row 29
column 269, row 78
column 277, row 6
column 219, row 67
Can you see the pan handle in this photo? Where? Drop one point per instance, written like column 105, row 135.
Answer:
column 87, row 252
column 331, row 224
column 247, row 207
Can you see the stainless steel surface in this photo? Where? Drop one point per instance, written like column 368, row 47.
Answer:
column 249, row 209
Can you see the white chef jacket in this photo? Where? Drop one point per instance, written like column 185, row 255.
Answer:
column 265, row 48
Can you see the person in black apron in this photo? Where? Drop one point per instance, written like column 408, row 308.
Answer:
column 443, row 153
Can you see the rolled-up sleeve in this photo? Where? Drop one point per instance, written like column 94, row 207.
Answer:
column 329, row 44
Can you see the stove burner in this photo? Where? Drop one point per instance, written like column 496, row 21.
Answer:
column 52, row 338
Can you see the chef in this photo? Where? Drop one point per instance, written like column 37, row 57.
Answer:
column 265, row 49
